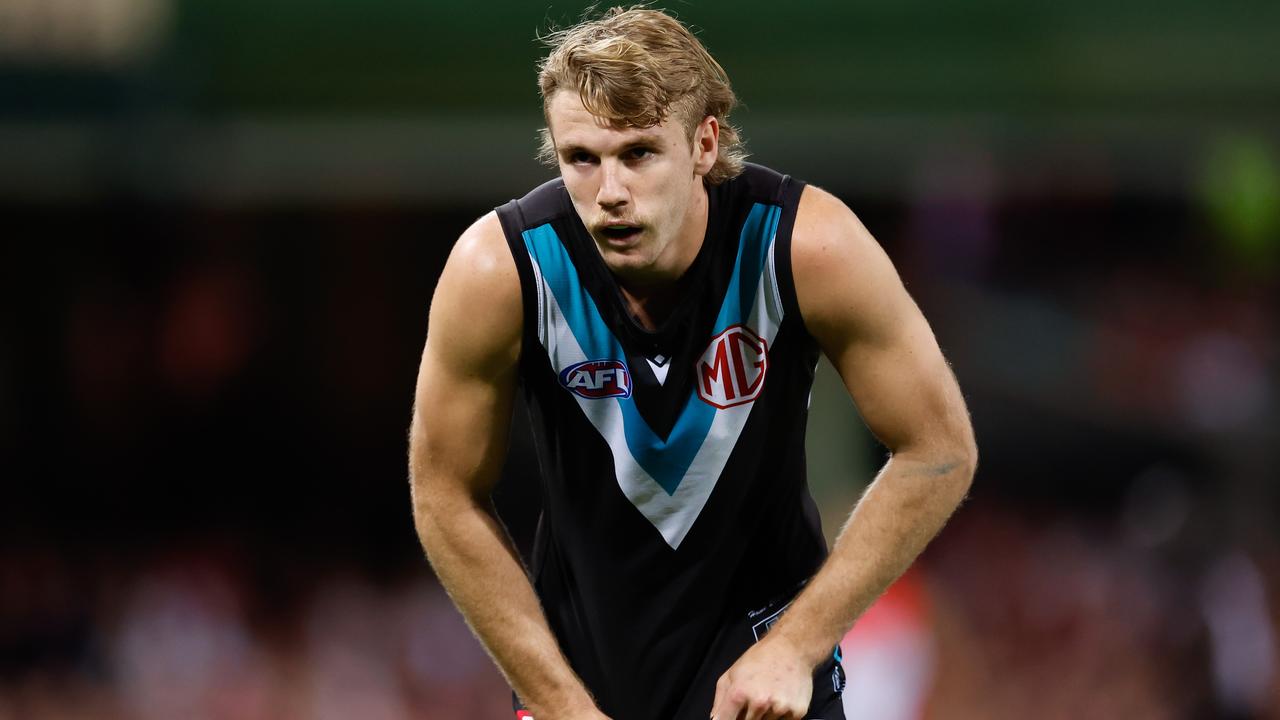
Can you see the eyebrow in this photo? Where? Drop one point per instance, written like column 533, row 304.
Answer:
column 570, row 149
column 647, row 142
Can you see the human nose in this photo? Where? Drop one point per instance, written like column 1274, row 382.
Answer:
column 613, row 190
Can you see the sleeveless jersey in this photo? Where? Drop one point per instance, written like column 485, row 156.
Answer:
column 677, row 523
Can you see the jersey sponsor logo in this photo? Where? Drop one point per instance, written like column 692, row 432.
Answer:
column 732, row 369
column 596, row 379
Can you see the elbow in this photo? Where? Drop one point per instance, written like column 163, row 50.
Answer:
column 433, row 519
column 440, row 504
column 424, row 497
column 951, row 475
column 947, row 466
column 965, row 452
column 955, row 461
column 969, row 465
column 424, row 505
column 432, row 503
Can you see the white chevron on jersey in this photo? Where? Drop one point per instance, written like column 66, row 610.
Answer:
column 673, row 515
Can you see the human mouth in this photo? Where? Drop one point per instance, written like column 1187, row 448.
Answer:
column 619, row 232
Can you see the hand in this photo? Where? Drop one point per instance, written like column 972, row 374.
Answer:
column 769, row 682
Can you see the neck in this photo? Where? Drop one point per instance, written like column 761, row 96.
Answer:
column 651, row 309
column 654, row 293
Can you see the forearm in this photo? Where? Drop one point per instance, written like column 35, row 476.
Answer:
column 902, row 510
column 479, row 568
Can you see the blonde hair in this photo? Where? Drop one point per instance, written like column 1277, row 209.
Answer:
column 634, row 67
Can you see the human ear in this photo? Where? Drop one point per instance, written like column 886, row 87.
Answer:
column 706, row 145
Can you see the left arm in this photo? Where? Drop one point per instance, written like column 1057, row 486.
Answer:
column 855, row 306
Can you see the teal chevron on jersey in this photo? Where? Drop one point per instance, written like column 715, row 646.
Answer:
column 666, row 460
column 687, row 462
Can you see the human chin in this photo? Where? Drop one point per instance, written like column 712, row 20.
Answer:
column 629, row 254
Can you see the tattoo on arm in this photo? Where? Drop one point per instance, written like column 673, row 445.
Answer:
column 934, row 470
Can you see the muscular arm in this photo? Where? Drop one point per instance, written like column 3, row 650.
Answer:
column 855, row 305
column 461, row 416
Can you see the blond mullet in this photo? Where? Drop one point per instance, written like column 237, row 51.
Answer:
column 635, row 67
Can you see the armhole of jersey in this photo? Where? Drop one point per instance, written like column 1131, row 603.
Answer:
column 512, row 220
column 788, row 198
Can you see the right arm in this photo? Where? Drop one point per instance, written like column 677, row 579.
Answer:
column 461, row 416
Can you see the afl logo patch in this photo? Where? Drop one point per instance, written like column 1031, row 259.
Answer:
column 732, row 369
column 596, row 379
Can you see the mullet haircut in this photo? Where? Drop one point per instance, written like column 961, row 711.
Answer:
column 634, row 67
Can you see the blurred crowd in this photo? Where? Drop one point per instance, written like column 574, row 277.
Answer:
column 222, row 227
column 191, row 635
column 1046, row 616
column 1010, row 615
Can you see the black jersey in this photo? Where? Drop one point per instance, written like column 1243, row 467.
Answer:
column 677, row 523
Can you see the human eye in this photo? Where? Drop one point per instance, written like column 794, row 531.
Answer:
column 640, row 152
column 580, row 157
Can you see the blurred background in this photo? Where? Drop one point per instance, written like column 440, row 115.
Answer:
column 222, row 223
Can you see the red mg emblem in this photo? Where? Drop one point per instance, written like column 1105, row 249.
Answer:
column 731, row 371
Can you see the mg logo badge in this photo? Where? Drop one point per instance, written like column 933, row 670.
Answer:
column 732, row 369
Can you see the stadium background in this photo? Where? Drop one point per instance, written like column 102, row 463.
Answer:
column 222, row 222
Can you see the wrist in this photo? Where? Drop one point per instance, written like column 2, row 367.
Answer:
column 810, row 650
column 568, row 703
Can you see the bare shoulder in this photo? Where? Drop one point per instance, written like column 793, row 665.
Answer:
column 476, row 314
column 481, row 259
column 843, row 277
column 823, row 217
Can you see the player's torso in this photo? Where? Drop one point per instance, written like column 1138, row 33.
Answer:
column 676, row 518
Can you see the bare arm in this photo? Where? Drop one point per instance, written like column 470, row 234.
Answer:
column 854, row 304
column 461, row 416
